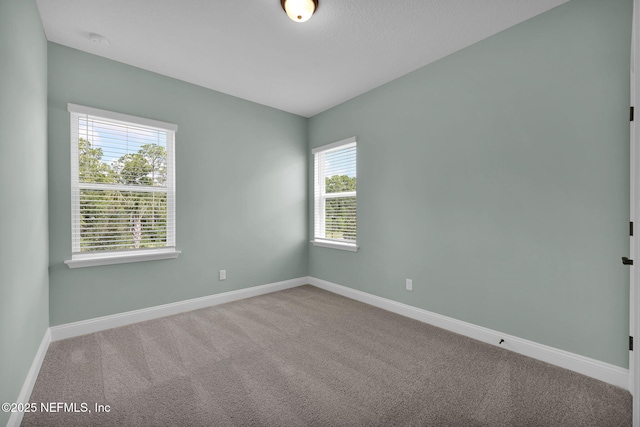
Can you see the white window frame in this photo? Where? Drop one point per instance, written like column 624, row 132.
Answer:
column 90, row 259
column 320, row 197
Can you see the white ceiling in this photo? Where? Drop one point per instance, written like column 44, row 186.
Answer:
column 250, row 48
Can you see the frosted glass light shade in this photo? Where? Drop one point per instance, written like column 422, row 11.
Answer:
column 299, row 10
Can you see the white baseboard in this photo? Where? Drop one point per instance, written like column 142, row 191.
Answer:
column 584, row 365
column 97, row 324
column 25, row 393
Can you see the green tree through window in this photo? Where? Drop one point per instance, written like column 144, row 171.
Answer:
column 335, row 194
column 340, row 219
column 115, row 219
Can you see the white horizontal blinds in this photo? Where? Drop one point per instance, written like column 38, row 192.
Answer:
column 171, row 190
column 124, row 185
column 335, row 192
column 121, row 220
column 118, row 152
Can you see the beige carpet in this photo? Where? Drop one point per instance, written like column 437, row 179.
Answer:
column 306, row 357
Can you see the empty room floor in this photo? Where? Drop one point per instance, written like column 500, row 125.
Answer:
column 308, row 357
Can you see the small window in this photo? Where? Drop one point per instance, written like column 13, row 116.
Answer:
column 335, row 179
column 122, row 188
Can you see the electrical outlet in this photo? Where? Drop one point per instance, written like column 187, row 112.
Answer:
column 409, row 284
column 223, row 274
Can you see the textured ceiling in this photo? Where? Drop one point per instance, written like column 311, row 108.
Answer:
column 250, row 48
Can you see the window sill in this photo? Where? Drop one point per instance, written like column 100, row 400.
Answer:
column 93, row 260
column 336, row 245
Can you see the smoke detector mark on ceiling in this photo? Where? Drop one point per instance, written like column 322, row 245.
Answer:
column 99, row 39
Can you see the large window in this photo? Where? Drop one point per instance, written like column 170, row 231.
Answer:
column 122, row 188
column 335, row 195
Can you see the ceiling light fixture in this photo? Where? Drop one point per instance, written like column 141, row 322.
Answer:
column 299, row 10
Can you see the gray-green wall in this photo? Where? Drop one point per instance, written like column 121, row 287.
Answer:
column 241, row 178
column 498, row 180
column 24, row 290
